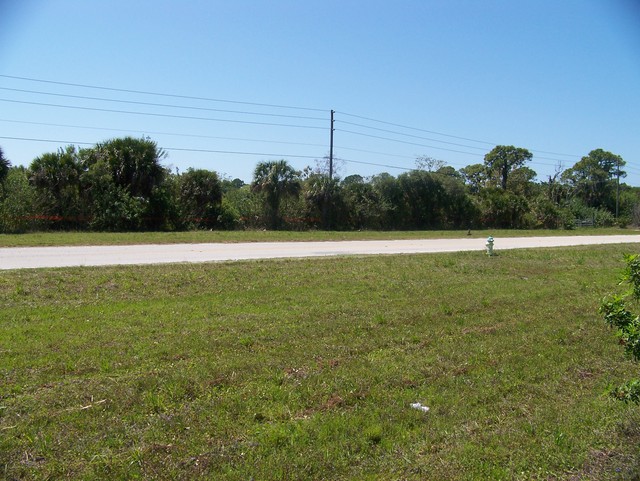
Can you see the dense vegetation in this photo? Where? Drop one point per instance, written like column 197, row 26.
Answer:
column 122, row 185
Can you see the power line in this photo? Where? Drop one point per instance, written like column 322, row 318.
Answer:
column 404, row 142
column 634, row 169
column 375, row 164
column 412, row 136
column 262, row 154
column 147, row 132
column 446, row 135
column 430, row 139
column 160, row 94
column 152, row 104
column 68, row 142
column 386, row 165
column 377, row 153
column 185, row 117
column 416, row 129
column 229, row 152
column 272, row 106
column 177, row 149
column 434, row 147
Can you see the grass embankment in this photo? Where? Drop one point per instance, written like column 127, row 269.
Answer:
column 128, row 238
column 306, row 369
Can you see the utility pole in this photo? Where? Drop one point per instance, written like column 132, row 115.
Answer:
column 618, row 187
column 325, row 203
column 331, row 147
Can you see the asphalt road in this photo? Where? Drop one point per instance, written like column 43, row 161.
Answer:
column 39, row 257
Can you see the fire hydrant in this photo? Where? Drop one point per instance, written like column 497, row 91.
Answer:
column 489, row 245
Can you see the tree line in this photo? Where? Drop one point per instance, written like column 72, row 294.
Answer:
column 122, row 185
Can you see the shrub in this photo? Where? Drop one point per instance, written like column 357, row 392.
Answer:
column 616, row 314
column 603, row 218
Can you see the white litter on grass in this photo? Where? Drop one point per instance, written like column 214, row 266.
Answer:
column 420, row 407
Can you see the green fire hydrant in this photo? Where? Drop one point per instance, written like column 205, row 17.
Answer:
column 489, row 245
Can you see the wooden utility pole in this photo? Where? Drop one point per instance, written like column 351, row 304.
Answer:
column 331, row 147
column 618, row 187
column 325, row 203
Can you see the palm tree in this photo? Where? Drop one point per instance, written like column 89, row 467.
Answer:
column 135, row 164
column 200, row 196
column 275, row 180
column 125, row 182
column 56, row 177
column 322, row 195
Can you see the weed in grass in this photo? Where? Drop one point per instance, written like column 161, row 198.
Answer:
column 373, row 434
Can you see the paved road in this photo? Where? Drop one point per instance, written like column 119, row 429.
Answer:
column 38, row 257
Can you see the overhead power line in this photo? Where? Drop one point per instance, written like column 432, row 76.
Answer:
column 447, row 135
column 68, row 142
column 234, row 152
column 370, row 119
column 377, row 153
column 368, row 131
column 412, row 136
column 152, row 104
column 173, row 134
column 405, row 142
column 177, row 149
column 263, row 154
column 416, row 128
column 152, row 114
column 161, row 94
column 436, row 147
column 386, row 166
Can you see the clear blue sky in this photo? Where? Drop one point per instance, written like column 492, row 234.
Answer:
column 559, row 78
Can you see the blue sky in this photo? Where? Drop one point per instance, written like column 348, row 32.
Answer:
column 448, row 79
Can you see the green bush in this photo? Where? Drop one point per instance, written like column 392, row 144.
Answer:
column 17, row 201
column 615, row 312
column 623, row 221
column 228, row 217
column 603, row 218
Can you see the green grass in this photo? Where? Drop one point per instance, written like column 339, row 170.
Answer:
column 105, row 238
column 306, row 369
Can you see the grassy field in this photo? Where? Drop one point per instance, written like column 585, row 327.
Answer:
column 128, row 238
column 306, row 370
